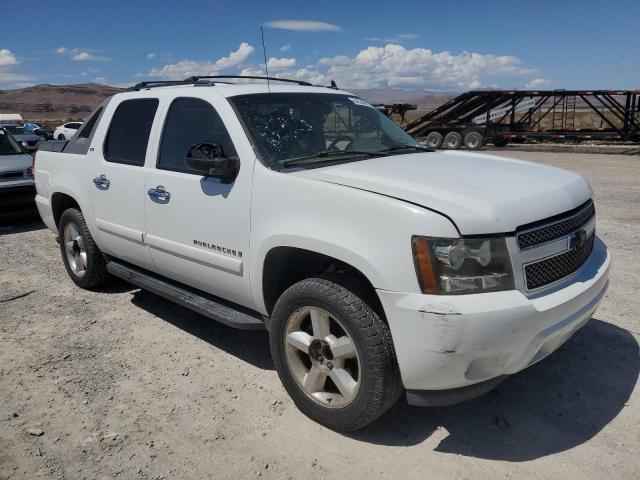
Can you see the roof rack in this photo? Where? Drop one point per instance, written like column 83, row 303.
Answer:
column 210, row 80
column 251, row 77
column 164, row 83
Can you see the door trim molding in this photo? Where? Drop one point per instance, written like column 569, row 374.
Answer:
column 119, row 230
column 191, row 253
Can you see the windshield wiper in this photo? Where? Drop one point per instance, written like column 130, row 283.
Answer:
column 406, row 147
column 331, row 154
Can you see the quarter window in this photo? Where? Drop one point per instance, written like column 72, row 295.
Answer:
column 190, row 121
column 88, row 127
column 129, row 131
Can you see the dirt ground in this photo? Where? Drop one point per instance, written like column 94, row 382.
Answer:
column 123, row 384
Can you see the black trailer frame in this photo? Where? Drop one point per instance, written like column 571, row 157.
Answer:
column 451, row 123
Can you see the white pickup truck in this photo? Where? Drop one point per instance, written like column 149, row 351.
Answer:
column 378, row 267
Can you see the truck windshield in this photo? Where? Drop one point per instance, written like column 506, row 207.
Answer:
column 8, row 146
column 305, row 129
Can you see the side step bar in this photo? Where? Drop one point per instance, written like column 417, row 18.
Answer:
column 203, row 303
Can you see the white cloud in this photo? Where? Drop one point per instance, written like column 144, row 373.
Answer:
column 303, row 26
column 151, row 56
column 408, row 36
column 280, row 63
column 81, row 56
column 285, row 48
column 8, row 61
column 397, row 66
column 187, row 68
column 102, row 80
column 7, row 58
column 77, row 54
column 388, row 66
column 538, row 82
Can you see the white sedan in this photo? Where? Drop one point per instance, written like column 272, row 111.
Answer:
column 66, row 131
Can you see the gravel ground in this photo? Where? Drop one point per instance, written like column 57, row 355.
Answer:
column 122, row 384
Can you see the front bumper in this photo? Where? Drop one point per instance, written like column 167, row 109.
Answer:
column 449, row 342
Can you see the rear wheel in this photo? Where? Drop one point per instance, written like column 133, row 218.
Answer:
column 334, row 354
column 80, row 254
column 473, row 140
column 61, row 137
column 453, row 141
column 434, row 140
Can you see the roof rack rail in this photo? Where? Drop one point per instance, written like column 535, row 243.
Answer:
column 197, row 78
column 210, row 80
column 164, row 83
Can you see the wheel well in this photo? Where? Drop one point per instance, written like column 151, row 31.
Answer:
column 59, row 203
column 285, row 266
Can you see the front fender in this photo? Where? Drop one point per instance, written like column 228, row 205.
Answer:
column 370, row 232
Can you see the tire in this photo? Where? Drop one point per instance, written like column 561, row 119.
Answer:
column 61, row 137
column 367, row 355
column 473, row 140
column 453, row 141
column 499, row 141
column 434, row 140
column 80, row 254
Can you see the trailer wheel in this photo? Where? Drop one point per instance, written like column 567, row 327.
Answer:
column 473, row 140
column 453, row 141
column 434, row 140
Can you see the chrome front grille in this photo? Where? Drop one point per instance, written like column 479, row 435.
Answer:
column 532, row 237
column 552, row 269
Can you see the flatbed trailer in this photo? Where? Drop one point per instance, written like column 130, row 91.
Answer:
column 500, row 116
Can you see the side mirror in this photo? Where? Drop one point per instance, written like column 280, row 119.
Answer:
column 208, row 159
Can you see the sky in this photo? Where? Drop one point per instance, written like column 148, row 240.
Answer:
column 411, row 45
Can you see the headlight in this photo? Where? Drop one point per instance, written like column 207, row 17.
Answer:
column 449, row 266
column 25, row 144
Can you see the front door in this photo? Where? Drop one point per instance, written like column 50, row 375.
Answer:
column 198, row 227
column 119, row 180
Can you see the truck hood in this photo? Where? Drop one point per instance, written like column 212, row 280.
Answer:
column 480, row 193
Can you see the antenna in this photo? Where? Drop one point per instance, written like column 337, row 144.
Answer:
column 264, row 53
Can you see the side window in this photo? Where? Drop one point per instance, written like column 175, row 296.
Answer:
column 190, row 121
column 88, row 127
column 129, row 131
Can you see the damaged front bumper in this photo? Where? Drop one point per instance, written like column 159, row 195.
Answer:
column 456, row 342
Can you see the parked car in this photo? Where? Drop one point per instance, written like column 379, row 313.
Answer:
column 66, row 131
column 45, row 132
column 28, row 140
column 30, row 127
column 17, row 191
column 376, row 265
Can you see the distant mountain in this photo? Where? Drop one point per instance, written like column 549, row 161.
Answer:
column 424, row 99
column 60, row 102
column 55, row 102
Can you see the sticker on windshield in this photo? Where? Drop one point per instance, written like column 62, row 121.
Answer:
column 359, row 101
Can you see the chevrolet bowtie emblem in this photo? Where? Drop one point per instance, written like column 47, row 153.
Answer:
column 578, row 239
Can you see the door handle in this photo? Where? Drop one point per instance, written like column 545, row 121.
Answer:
column 102, row 182
column 159, row 193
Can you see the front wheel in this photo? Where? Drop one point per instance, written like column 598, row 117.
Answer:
column 334, row 354
column 61, row 137
column 80, row 254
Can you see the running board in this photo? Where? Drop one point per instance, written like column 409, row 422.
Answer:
column 200, row 302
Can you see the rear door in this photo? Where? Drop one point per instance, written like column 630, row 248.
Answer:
column 198, row 233
column 119, row 180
